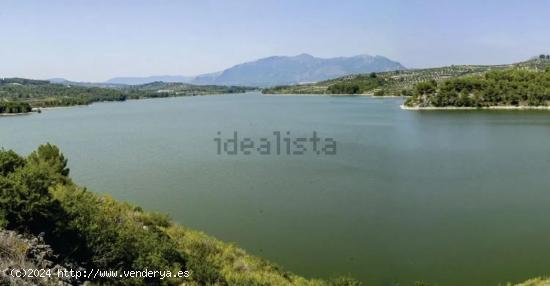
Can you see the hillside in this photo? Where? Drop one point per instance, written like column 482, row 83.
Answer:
column 396, row 83
column 19, row 95
column 30, row 252
column 516, row 87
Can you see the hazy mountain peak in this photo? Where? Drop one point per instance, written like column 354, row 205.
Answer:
column 283, row 70
column 57, row 80
column 149, row 79
column 304, row 55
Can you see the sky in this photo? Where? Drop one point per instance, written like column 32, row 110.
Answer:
column 94, row 40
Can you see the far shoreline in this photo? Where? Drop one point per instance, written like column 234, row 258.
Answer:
column 38, row 110
column 496, row 107
column 334, row 95
column 17, row 114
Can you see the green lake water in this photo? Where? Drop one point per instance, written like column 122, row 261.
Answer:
column 454, row 198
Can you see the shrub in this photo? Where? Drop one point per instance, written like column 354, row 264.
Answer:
column 114, row 237
column 25, row 201
column 9, row 161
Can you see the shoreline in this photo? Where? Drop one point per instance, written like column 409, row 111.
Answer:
column 16, row 114
column 503, row 107
column 333, row 95
column 35, row 109
column 40, row 109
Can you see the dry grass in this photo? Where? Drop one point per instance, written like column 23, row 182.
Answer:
column 14, row 254
column 536, row 282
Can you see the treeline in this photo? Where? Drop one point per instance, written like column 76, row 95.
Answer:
column 515, row 87
column 22, row 93
column 360, row 84
column 356, row 84
column 14, row 107
column 24, row 81
column 48, row 95
column 90, row 231
column 187, row 89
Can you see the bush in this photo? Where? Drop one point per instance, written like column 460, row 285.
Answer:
column 25, row 201
column 114, row 237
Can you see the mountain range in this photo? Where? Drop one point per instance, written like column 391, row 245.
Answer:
column 149, row 79
column 278, row 70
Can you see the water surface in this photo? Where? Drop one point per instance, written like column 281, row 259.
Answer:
column 455, row 198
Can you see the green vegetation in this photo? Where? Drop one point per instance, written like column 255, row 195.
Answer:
column 535, row 282
column 19, row 95
column 399, row 83
column 180, row 89
column 396, row 83
column 361, row 84
column 98, row 232
column 14, row 107
column 512, row 87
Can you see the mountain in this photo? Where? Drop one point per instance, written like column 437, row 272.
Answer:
column 278, row 70
column 58, row 80
column 67, row 82
column 282, row 70
column 149, row 79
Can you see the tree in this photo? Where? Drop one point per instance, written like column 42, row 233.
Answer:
column 49, row 157
column 427, row 87
column 25, row 201
column 9, row 161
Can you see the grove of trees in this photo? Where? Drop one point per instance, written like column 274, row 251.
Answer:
column 14, row 107
column 504, row 87
column 359, row 84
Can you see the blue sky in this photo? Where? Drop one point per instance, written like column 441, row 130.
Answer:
column 98, row 39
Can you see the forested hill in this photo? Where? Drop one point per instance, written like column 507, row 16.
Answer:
column 19, row 95
column 401, row 82
column 520, row 86
column 496, row 88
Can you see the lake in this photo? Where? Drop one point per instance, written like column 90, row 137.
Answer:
column 453, row 198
